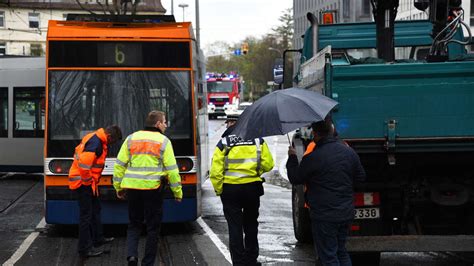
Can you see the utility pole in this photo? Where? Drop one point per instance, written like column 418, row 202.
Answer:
column 198, row 30
column 172, row 8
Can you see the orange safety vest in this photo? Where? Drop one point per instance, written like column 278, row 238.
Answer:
column 310, row 148
column 87, row 167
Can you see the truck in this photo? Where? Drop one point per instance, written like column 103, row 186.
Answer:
column 223, row 93
column 411, row 120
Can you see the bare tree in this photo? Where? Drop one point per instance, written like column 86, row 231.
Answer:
column 113, row 7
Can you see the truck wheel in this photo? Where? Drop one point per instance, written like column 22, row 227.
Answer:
column 301, row 219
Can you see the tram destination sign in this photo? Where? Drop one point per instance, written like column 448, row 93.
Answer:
column 119, row 54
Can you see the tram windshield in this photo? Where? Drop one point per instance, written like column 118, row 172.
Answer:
column 82, row 101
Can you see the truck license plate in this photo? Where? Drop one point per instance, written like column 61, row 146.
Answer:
column 366, row 213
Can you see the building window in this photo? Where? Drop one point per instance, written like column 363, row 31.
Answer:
column 36, row 49
column 345, row 8
column 3, row 112
column 365, row 7
column 33, row 19
column 2, row 19
column 29, row 106
column 3, row 48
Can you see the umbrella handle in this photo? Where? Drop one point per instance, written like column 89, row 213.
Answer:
column 289, row 141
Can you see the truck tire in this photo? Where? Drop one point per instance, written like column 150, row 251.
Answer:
column 301, row 219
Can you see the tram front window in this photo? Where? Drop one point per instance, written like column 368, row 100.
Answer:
column 82, row 101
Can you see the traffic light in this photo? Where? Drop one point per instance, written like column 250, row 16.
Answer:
column 245, row 48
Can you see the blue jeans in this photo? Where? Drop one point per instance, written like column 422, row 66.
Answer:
column 90, row 224
column 144, row 206
column 330, row 242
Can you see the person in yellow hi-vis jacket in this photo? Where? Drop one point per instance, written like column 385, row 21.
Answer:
column 145, row 160
column 237, row 166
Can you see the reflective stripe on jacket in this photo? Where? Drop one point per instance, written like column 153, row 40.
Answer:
column 239, row 162
column 87, row 167
column 145, row 158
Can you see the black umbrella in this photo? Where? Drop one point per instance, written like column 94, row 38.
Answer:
column 282, row 111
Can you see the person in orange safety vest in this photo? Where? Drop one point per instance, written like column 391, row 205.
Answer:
column 84, row 177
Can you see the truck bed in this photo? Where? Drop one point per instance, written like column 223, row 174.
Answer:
column 430, row 103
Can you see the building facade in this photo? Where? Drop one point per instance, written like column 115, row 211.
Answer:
column 24, row 23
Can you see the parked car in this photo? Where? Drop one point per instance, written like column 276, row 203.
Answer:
column 238, row 110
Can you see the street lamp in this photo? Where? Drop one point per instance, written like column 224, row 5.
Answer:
column 183, row 6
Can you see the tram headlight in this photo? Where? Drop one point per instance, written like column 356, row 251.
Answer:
column 59, row 166
column 185, row 164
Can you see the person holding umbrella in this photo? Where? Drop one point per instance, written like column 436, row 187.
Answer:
column 236, row 170
column 328, row 172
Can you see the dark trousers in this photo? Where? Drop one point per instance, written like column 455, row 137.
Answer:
column 330, row 242
column 241, row 203
column 144, row 206
column 90, row 224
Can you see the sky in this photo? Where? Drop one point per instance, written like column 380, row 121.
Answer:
column 230, row 20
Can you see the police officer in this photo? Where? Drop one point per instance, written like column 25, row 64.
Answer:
column 145, row 159
column 84, row 178
column 235, row 174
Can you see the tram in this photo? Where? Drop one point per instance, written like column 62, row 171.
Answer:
column 102, row 73
column 22, row 114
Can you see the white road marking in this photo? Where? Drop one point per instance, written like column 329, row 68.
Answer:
column 273, row 260
column 215, row 239
column 25, row 245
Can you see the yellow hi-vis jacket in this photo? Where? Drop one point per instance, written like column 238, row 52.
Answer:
column 144, row 160
column 239, row 162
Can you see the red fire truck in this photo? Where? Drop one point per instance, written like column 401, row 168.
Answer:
column 223, row 94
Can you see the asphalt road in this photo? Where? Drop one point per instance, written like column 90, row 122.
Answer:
column 26, row 240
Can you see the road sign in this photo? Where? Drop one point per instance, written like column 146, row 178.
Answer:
column 237, row 52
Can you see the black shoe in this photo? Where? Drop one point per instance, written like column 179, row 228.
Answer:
column 132, row 261
column 93, row 252
column 104, row 241
column 107, row 240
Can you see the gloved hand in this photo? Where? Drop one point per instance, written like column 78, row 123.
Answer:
column 122, row 194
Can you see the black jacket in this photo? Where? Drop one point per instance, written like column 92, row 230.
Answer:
column 328, row 172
